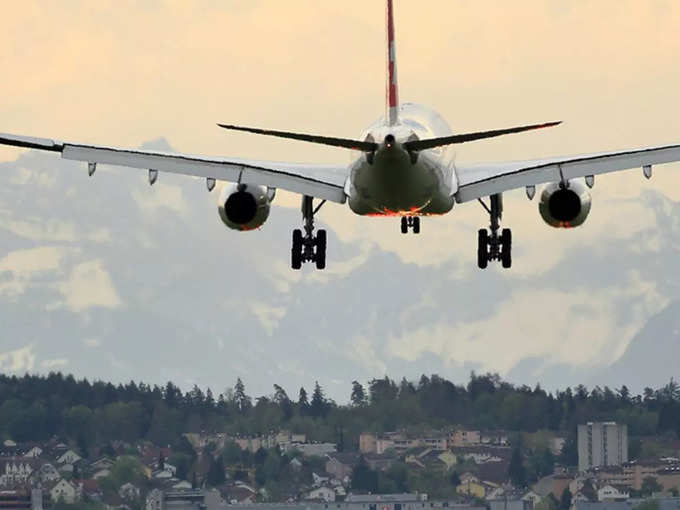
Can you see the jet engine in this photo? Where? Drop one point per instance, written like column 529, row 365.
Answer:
column 565, row 206
column 245, row 206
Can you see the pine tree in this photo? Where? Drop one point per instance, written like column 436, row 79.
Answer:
column 319, row 406
column 358, row 396
column 303, row 402
column 516, row 470
column 242, row 401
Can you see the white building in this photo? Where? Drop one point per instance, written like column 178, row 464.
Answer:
column 611, row 493
column 63, row 491
column 602, row 444
column 68, row 457
column 321, row 494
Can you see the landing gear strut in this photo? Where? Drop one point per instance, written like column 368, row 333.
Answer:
column 307, row 247
column 412, row 222
column 490, row 245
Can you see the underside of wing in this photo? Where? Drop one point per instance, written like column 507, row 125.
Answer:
column 482, row 180
column 319, row 181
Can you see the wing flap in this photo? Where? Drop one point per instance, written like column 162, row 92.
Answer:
column 477, row 181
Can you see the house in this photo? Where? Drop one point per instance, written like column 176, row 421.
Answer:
column 16, row 470
column 34, row 452
column 533, row 497
column 552, row 484
column 296, row 464
column 102, row 473
column 510, row 504
column 380, row 462
column 368, row 443
column 154, row 500
column 612, row 493
column 448, row 458
column 89, row 489
column 240, row 494
column 318, row 481
column 102, row 463
column 66, row 469
column 163, row 475
column 63, row 491
column 494, row 472
column 68, row 457
column 465, row 438
column 47, row 473
column 321, row 494
column 494, row 437
column 128, row 492
column 340, row 465
column 314, row 449
column 183, row 484
column 470, row 485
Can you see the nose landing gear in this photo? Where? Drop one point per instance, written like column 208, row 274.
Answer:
column 412, row 222
column 490, row 245
column 309, row 247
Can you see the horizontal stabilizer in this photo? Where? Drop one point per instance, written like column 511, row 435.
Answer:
column 431, row 143
column 356, row 145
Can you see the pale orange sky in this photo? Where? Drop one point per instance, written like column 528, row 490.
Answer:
column 126, row 72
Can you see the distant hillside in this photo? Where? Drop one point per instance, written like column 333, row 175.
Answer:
column 651, row 355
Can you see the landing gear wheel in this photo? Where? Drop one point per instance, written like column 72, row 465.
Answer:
column 320, row 254
column 412, row 222
column 296, row 250
column 308, row 247
column 490, row 244
column 482, row 248
column 506, row 248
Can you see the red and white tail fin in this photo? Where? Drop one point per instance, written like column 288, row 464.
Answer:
column 392, row 94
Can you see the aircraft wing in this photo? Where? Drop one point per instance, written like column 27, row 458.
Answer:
column 319, row 181
column 482, row 180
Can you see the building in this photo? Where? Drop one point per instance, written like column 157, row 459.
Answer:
column 632, row 474
column 612, row 493
column 340, row 465
column 321, row 494
column 368, row 443
column 191, row 499
column 602, row 444
column 364, row 502
column 465, row 438
column 511, row 503
column 64, row 491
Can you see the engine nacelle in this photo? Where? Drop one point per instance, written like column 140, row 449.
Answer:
column 245, row 206
column 565, row 207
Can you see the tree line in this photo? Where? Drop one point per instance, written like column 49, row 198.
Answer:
column 34, row 407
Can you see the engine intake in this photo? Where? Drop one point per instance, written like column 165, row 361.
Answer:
column 245, row 206
column 565, row 207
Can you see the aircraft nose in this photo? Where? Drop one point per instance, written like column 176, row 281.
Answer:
column 389, row 140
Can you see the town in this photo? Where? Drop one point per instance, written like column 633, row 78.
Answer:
column 596, row 465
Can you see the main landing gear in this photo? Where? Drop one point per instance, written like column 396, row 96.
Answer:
column 412, row 222
column 490, row 245
column 307, row 247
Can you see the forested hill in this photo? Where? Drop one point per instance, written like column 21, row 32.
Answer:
column 39, row 407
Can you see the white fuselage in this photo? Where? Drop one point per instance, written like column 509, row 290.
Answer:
column 390, row 183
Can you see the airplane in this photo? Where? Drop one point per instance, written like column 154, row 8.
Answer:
column 404, row 167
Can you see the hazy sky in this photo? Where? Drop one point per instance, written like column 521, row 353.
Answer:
column 124, row 73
